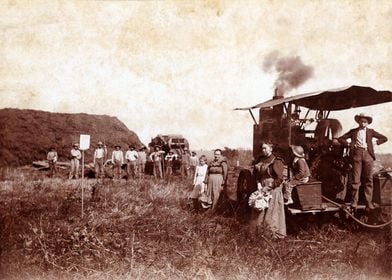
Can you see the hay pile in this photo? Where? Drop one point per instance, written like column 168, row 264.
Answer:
column 26, row 135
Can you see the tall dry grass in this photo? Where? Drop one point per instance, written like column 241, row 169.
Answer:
column 145, row 229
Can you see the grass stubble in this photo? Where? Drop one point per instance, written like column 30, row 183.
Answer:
column 145, row 229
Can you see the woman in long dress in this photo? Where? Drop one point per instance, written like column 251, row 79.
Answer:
column 216, row 178
column 268, row 172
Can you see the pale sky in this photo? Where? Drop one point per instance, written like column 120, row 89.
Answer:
column 182, row 66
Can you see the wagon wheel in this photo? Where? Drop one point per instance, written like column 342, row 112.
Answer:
column 108, row 168
column 245, row 185
column 242, row 187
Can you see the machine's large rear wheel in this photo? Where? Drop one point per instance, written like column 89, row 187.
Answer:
column 245, row 186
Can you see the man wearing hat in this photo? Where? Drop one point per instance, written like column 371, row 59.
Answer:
column 76, row 155
column 157, row 158
column 142, row 159
column 169, row 159
column 118, row 160
column 99, row 159
column 131, row 157
column 362, row 155
column 193, row 163
column 185, row 162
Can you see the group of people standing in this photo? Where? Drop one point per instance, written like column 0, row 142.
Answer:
column 209, row 181
column 164, row 163
column 134, row 159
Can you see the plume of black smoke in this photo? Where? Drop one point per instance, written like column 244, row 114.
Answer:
column 292, row 72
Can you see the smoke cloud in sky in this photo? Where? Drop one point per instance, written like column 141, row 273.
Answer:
column 292, row 72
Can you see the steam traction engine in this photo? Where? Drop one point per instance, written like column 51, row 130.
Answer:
column 304, row 120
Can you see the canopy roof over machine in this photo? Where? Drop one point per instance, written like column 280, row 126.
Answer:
column 331, row 100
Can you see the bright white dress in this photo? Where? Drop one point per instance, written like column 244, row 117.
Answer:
column 198, row 181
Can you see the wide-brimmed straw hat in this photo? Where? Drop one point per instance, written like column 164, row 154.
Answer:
column 117, row 146
column 298, row 151
column 76, row 145
column 100, row 143
column 363, row 116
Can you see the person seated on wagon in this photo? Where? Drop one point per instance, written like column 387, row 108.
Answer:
column 301, row 173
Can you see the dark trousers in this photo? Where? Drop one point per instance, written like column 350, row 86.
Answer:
column 52, row 168
column 362, row 167
column 158, row 170
column 192, row 171
column 184, row 170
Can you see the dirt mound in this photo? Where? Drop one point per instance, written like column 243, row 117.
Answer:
column 26, row 135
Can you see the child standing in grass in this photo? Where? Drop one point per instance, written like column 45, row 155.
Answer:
column 199, row 187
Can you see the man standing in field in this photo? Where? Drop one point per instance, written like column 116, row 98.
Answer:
column 142, row 159
column 185, row 163
column 99, row 159
column 194, row 162
column 117, row 160
column 76, row 155
column 169, row 160
column 131, row 156
column 362, row 156
column 52, row 159
column 157, row 158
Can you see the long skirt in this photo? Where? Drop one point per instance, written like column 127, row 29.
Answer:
column 214, row 188
column 272, row 220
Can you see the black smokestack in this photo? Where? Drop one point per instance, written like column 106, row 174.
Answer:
column 292, row 72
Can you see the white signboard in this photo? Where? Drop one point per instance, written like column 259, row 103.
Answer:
column 84, row 142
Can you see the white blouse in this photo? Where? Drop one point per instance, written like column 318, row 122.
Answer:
column 200, row 174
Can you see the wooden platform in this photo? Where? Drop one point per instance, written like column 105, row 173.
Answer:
column 327, row 207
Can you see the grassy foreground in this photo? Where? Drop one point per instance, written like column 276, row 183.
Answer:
column 146, row 230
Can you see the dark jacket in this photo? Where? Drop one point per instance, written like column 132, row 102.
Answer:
column 370, row 133
column 301, row 169
column 269, row 167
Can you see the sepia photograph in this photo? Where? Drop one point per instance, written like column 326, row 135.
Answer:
column 195, row 139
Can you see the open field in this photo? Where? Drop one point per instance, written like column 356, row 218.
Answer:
column 146, row 230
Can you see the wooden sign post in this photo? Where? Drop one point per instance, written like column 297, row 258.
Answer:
column 84, row 145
